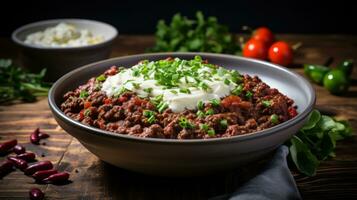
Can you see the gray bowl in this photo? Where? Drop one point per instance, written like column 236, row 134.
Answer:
column 186, row 157
column 60, row 60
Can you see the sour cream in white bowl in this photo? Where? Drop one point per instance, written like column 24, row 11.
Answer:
column 61, row 45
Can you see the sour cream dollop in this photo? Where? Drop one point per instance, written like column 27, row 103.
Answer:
column 63, row 35
column 193, row 82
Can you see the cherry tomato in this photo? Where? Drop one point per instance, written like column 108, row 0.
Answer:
column 264, row 35
column 255, row 49
column 281, row 53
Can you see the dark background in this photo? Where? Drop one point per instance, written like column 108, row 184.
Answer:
column 140, row 17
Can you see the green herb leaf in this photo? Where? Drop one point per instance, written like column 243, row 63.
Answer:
column 314, row 117
column 304, row 160
column 200, row 34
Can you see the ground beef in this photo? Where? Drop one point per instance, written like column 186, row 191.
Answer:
column 124, row 114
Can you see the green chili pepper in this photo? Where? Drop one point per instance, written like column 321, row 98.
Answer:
column 336, row 81
column 316, row 72
column 346, row 66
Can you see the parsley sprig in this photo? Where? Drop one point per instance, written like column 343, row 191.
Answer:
column 316, row 141
column 17, row 84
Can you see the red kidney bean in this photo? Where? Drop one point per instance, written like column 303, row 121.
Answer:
column 40, row 175
column 6, row 146
column 19, row 149
column 34, row 138
column 5, row 168
column 28, row 156
column 36, row 194
column 19, row 163
column 57, row 178
column 43, row 165
column 43, row 135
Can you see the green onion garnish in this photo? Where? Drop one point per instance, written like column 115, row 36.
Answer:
column 200, row 105
column 238, row 90
column 223, row 123
column 216, row 102
column 266, row 103
column 83, row 94
column 185, row 90
column 184, row 123
column 101, row 78
column 210, row 111
column 204, row 127
column 200, row 114
column 211, row 132
column 274, row 119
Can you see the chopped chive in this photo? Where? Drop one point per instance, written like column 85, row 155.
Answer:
column 87, row 112
column 227, row 81
column 148, row 90
column 274, row 119
column 151, row 119
column 211, row 132
column 216, row 102
column 204, row 127
column 200, row 105
column 173, row 91
column 136, row 72
column 101, row 78
column 162, row 107
column 200, row 114
column 266, row 103
column 185, row 90
column 136, row 85
column 210, row 111
column 238, row 90
column 83, row 94
column 223, row 123
column 121, row 91
column 185, row 123
column 249, row 94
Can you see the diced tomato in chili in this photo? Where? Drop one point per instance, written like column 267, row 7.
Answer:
column 292, row 112
column 107, row 101
column 111, row 71
column 87, row 104
column 122, row 99
column 230, row 100
column 81, row 115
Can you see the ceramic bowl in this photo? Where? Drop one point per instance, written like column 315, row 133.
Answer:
column 60, row 60
column 169, row 157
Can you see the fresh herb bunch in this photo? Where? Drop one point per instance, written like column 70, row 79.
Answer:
column 200, row 35
column 17, row 84
column 316, row 141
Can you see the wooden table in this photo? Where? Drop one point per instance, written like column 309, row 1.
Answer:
column 93, row 179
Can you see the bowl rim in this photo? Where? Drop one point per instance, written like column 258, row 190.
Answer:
column 254, row 135
column 14, row 35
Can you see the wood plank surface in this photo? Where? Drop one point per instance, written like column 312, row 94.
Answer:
column 92, row 179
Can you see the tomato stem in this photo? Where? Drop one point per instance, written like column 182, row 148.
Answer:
column 247, row 29
column 296, row 46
